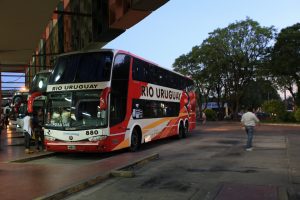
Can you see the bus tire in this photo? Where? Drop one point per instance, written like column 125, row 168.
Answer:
column 181, row 133
column 186, row 127
column 135, row 140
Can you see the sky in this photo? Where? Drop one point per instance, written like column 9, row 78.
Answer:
column 173, row 29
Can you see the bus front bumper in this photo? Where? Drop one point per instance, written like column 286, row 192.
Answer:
column 75, row 146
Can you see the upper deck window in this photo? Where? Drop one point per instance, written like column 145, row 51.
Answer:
column 149, row 73
column 80, row 68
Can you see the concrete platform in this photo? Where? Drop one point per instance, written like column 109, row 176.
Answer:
column 210, row 164
column 20, row 180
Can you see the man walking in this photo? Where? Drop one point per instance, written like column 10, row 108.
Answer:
column 27, row 132
column 37, row 123
column 1, row 125
column 249, row 121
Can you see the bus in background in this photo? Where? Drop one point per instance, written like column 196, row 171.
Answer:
column 18, row 104
column 38, row 87
column 105, row 100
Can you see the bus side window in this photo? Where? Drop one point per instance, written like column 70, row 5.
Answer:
column 137, row 70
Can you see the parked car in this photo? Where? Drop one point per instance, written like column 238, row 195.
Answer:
column 263, row 115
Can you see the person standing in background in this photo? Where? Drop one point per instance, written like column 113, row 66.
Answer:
column 249, row 121
column 27, row 132
column 2, row 118
column 1, row 125
column 37, row 125
column 203, row 118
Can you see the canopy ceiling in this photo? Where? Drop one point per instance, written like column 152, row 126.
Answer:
column 22, row 24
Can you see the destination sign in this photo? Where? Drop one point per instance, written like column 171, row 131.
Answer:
column 77, row 86
column 159, row 93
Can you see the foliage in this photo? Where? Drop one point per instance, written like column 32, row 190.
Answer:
column 211, row 115
column 257, row 92
column 288, row 117
column 285, row 60
column 228, row 60
column 274, row 107
column 189, row 65
column 297, row 115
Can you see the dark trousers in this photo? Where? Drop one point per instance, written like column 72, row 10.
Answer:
column 249, row 131
column 27, row 140
column 39, row 138
column 0, row 136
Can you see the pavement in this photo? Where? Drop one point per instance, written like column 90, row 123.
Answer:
column 212, row 160
column 212, row 164
column 22, row 180
column 12, row 147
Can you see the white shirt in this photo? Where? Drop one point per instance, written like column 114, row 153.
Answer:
column 27, row 126
column 249, row 119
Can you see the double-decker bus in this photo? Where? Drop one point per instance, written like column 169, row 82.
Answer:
column 105, row 100
column 19, row 98
column 38, row 87
column 18, row 108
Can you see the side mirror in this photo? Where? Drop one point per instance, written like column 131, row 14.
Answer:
column 104, row 99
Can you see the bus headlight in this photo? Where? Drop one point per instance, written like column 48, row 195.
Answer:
column 49, row 138
column 97, row 138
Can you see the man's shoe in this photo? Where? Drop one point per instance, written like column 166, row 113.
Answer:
column 249, row 149
column 28, row 151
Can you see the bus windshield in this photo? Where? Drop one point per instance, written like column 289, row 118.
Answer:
column 80, row 68
column 19, row 98
column 76, row 110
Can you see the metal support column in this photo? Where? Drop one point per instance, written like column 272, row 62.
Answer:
column 0, row 89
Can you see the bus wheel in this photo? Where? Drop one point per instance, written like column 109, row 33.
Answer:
column 181, row 133
column 135, row 141
column 186, row 127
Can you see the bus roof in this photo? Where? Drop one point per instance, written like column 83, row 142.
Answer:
column 115, row 51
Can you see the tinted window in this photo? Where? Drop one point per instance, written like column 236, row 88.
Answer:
column 93, row 67
column 154, row 109
column 118, row 98
column 85, row 67
column 74, row 109
column 146, row 72
column 140, row 70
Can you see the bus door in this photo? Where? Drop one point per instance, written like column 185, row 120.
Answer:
column 119, row 92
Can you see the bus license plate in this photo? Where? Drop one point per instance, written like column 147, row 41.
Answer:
column 71, row 147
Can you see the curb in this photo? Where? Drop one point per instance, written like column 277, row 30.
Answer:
column 89, row 182
column 32, row 157
column 278, row 124
column 21, row 136
column 122, row 173
column 15, row 145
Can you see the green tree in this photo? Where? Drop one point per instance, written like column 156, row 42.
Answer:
column 228, row 60
column 257, row 92
column 297, row 115
column 211, row 115
column 189, row 65
column 274, row 107
column 285, row 60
